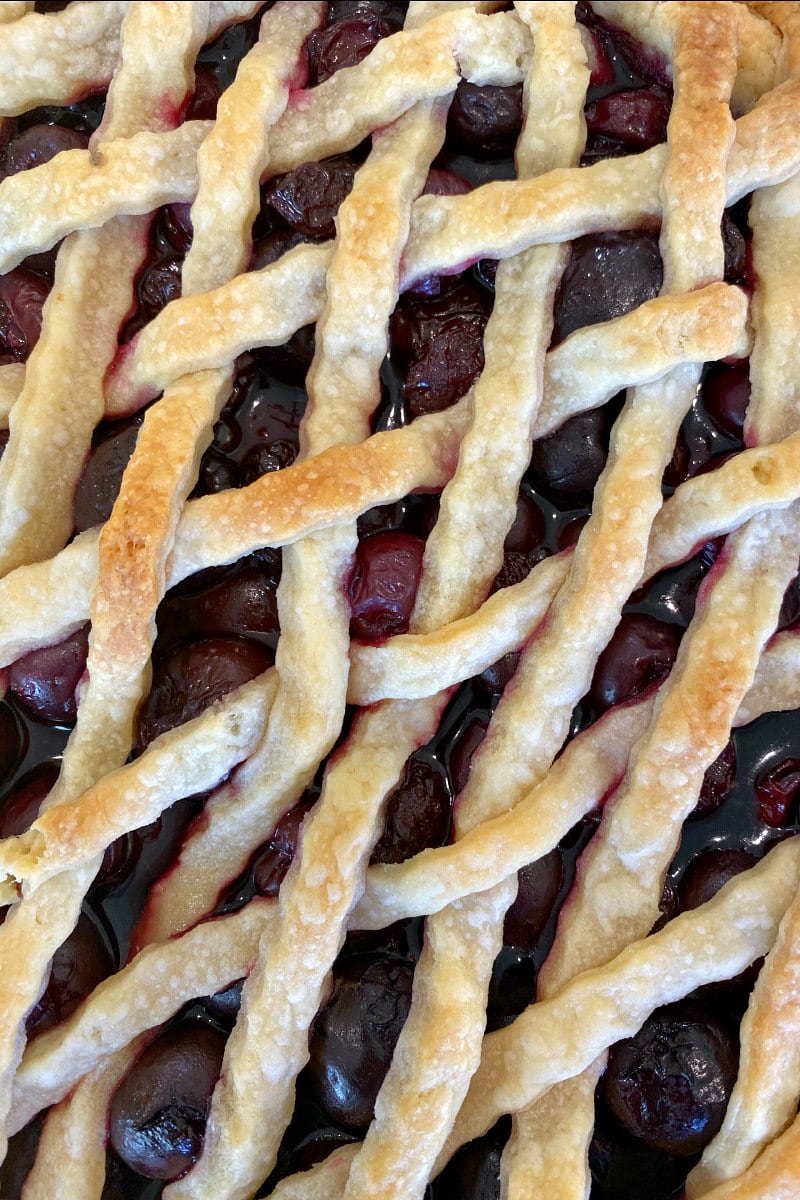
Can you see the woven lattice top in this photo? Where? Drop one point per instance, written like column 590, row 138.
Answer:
column 400, row 410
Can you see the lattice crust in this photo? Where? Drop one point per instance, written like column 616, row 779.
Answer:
column 262, row 745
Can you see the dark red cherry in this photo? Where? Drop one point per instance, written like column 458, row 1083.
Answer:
column 539, row 885
column 273, row 246
column 437, row 346
column 496, row 678
column 568, row 462
column 353, row 1037
column 708, row 872
column 417, row 813
column 343, row 44
column 22, row 297
column 670, row 1084
column 726, row 393
column 486, row 120
column 308, row 198
column 12, row 744
column 159, row 284
column 276, row 856
column 193, row 677
column 608, row 275
column 467, row 742
column 241, row 604
column 445, row 183
column 735, row 244
column 224, row 1006
column 637, row 118
column 777, row 789
column 83, row 961
column 640, row 654
column 45, row 680
column 20, row 808
column 38, row 144
column 315, row 1147
column 695, row 453
column 383, row 585
column 528, row 530
column 207, row 91
column 718, row 782
column 512, row 987
column 474, row 1172
column 175, row 222
column 159, row 1111
column 100, row 481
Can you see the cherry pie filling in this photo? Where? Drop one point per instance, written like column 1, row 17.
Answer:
column 664, row 1092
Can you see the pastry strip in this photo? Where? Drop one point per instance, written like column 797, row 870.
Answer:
column 438, row 1046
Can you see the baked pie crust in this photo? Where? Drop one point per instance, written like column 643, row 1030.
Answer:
column 734, row 132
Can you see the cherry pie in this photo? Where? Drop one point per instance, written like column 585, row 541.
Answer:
column 399, row 755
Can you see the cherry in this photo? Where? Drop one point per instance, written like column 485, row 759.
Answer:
column 523, row 544
column 22, row 297
column 12, row 744
column 207, row 91
column 735, row 243
column 695, row 453
column 638, row 118
column 159, row 283
column 474, row 1172
column 670, row 1084
column 486, row 120
column 22, row 1150
column 437, row 346
column 460, row 757
column 276, row 856
column 496, row 678
column 353, row 1037
column 315, row 1147
column 417, row 813
column 224, row 1006
column 44, row 680
column 608, row 275
column 568, row 462
column 242, row 603
column 193, row 677
column 79, row 965
column 383, row 585
column 445, row 183
column 101, row 479
column 725, row 393
column 776, row 790
column 718, row 782
column 308, row 197
column 539, row 885
column 708, row 872
column 38, row 144
column 20, row 807
column 159, row 1111
column 343, row 44
column 273, row 246
column 640, row 654
column 175, row 222
column 512, row 987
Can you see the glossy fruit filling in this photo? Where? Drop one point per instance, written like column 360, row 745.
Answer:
column 665, row 1090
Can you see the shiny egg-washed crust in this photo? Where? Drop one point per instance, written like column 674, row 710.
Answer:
column 274, row 731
